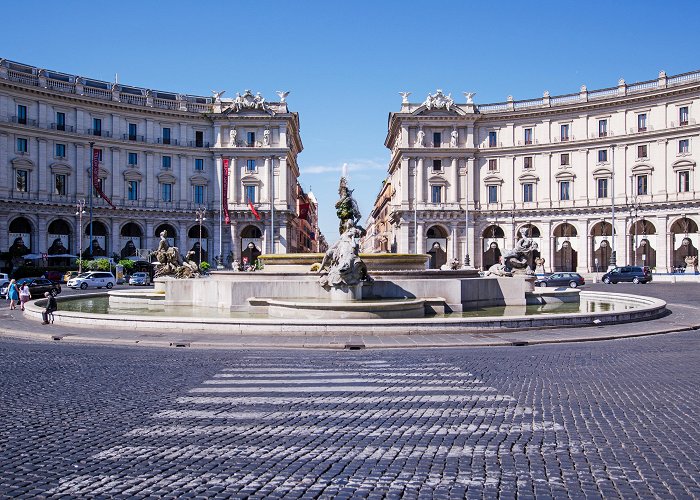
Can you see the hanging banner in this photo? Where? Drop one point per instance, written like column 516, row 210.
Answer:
column 304, row 211
column 96, row 178
column 252, row 209
column 224, row 191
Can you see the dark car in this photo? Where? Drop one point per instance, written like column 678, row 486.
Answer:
column 561, row 279
column 38, row 286
column 628, row 274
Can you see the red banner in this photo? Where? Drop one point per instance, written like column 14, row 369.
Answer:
column 96, row 177
column 224, row 191
column 304, row 211
column 252, row 209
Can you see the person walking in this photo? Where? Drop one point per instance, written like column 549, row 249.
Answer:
column 13, row 294
column 51, row 306
column 24, row 295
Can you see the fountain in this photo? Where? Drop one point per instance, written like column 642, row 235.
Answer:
column 380, row 294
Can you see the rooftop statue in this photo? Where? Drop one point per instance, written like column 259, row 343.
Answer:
column 438, row 100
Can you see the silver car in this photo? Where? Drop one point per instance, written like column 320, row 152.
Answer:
column 95, row 279
column 140, row 279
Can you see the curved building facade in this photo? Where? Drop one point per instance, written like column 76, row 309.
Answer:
column 585, row 173
column 159, row 158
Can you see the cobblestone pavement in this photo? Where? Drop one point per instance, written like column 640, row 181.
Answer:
column 604, row 419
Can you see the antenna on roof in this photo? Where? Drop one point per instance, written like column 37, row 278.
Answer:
column 116, row 77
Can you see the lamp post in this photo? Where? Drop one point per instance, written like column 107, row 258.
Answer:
column 81, row 210
column 634, row 209
column 200, row 214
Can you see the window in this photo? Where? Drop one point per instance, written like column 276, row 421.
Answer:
column 602, row 155
column 642, row 122
column 166, row 135
column 683, row 115
column 250, row 139
column 564, row 159
column 133, row 159
column 166, row 192
column 436, row 194
column 96, row 190
column 60, row 184
column 96, row 126
column 527, row 162
column 132, row 131
column 60, row 150
column 565, row 190
column 22, row 182
column 642, row 151
column 167, row 162
column 493, row 194
column 437, row 139
column 22, row 145
column 60, row 121
column 21, row 114
column 250, row 165
column 199, row 163
column 99, row 154
column 527, row 192
column 528, row 136
column 492, row 139
column 565, row 132
column 437, row 165
column 250, row 194
column 132, row 190
column 602, row 188
column 199, row 139
column 602, row 128
column 493, row 166
column 642, row 184
column 683, row 181
column 683, row 146
column 199, row 195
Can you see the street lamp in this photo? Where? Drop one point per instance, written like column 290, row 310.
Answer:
column 81, row 210
column 200, row 213
column 613, row 257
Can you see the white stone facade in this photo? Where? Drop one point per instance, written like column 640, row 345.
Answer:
column 162, row 157
column 554, row 163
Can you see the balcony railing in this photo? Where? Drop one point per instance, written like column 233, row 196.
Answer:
column 131, row 137
column 23, row 121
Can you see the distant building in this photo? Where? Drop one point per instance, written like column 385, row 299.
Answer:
column 552, row 165
column 160, row 157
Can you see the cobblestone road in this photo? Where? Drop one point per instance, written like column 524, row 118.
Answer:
column 604, row 419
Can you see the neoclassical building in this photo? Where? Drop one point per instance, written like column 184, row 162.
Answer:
column 467, row 178
column 158, row 158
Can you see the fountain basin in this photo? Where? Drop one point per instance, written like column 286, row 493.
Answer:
column 364, row 309
column 375, row 262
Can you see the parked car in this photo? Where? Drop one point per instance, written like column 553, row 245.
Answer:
column 4, row 277
column 3, row 288
column 69, row 276
column 37, row 287
column 633, row 274
column 561, row 279
column 95, row 279
column 140, row 279
column 56, row 276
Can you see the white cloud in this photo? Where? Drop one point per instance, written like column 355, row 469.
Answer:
column 362, row 165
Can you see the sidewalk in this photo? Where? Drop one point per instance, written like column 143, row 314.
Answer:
column 681, row 318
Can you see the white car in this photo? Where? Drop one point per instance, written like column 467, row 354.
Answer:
column 95, row 279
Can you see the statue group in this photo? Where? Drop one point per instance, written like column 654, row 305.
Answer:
column 169, row 262
column 516, row 260
column 342, row 265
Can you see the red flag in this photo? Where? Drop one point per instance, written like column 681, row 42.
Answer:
column 252, row 209
column 224, row 191
column 96, row 178
column 304, row 211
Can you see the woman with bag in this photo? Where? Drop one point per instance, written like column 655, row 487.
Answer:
column 13, row 294
column 24, row 295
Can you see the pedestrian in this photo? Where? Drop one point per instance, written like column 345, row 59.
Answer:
column 13, row 294
column 51, row 306
column 24, row 295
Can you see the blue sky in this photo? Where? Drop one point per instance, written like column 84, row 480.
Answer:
column 345, row 62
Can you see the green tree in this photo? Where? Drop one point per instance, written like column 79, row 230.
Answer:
column 127, row 264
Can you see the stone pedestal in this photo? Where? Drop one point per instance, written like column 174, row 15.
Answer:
column 345, row 293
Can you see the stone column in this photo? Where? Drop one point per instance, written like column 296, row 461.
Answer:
column 149, row 177
column 267, row 183
column 216, row 195
column 43, row 171
column 405, row 183
column 454, row 247
column 232, row 185
column 81, row 172
column 454, row 188
column 420, row 181
column 235, row 241
column 113, row 239
column 183, row 180
column 217, row 136
column 111, row 188
column 582, row 265
column 420, row 237
column 663, row 252
column 5, row 173
column 284, row 181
